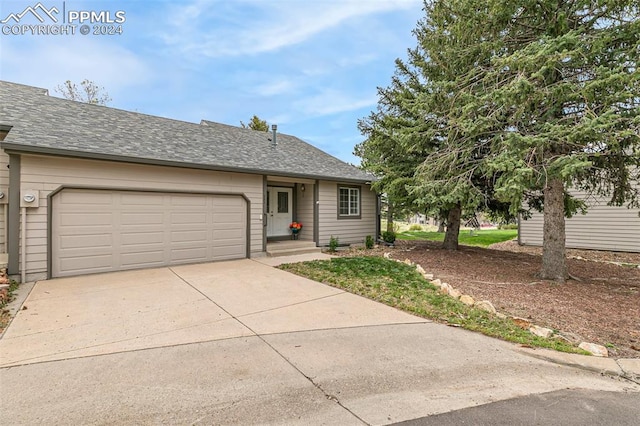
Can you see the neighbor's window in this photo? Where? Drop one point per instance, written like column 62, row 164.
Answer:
column 348, row 202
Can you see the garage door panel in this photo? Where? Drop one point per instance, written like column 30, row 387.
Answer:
column 81, row 199
column 87, row 219
column 91, row 264
column 145, row 199
column 129, row 238
column 86, row 240
column 141, row 218
column 226, row 219
column 191, row 254
column 142, row 258
column 182, row 218
column 189, row 236
column 189, row 200
column 100, row 231
column 226, row 234
column 226, row 254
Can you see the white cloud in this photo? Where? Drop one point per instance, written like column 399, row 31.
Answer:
column 50, row 62
column 332, row 101
column 276, row 87
column 270, row 26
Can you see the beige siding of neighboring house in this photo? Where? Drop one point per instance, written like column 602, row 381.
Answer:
column 602, row 228
column 348, row 231
column 47, row 174
column 4, row 186
column 304, row 212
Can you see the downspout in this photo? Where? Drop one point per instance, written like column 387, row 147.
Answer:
column 23, row 236
column 378, row 217
column 13, row 225
column 5, row 210
column 316, row 212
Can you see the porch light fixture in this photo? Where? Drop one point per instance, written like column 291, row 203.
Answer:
column 302, row 187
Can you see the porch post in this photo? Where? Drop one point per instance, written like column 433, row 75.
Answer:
column 264, row 214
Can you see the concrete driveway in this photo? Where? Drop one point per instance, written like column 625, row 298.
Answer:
column 242, row 342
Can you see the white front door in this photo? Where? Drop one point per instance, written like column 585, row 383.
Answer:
column 279, row 211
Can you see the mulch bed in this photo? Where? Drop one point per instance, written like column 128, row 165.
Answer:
column 603, row 307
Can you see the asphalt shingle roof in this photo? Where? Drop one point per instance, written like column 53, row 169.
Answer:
column 46, row 124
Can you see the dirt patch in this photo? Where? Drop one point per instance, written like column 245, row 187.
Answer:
column 603, row 308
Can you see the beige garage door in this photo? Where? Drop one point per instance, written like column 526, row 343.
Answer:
column 101, row 231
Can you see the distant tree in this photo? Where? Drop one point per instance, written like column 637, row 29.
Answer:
column 89, row 92
column 256, row 124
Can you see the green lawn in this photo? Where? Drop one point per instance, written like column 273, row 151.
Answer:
column 482, row 238
column 401, row 286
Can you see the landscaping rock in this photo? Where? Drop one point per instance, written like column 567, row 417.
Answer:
column 445, row 288
column 485, row 305
column 420, row 269
column 541, row 331
column 594, row 349
column 408, row 262
column 4, row 280
column 523, row 323
column 454, row 293
column 387, row 255
column 428, row 277
column 467, row 300
column 570, row 337
column 501, row 315
column 436, row 282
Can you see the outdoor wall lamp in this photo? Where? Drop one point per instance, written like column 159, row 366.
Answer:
column 302, row 188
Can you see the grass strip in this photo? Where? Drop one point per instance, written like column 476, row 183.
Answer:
column 401, row 286
column 482, row 238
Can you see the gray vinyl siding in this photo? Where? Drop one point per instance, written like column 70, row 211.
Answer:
column 304, row 212
column 602, row 228
column 47, row 174
column 348, row 231
column 4, row 185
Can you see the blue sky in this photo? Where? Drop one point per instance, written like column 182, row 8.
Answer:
column 312, row 67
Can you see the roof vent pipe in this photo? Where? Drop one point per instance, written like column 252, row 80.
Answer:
column 274, row 143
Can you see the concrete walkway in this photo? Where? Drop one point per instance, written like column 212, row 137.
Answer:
column 241, row 342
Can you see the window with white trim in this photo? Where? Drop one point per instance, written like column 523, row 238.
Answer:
column 348, row 202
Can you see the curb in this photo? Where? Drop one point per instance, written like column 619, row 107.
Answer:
column 626, row 368
column 20, row 296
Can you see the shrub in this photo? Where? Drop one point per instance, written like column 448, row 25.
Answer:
column 508, row 226
column 415, row 227
column 389, row 237
column 368, row 242
column 333, row 244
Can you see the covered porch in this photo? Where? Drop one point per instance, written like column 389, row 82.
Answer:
column 289, row 200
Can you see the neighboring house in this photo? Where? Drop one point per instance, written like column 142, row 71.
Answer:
column 100, row 189
column 602, row 228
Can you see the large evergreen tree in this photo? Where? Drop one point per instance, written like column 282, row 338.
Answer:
column 414, row 137
column 561, row 104
column 522, row 101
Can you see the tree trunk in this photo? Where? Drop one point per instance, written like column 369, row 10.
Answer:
column 554, row 266
column 389, row 218
column 453, row 229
